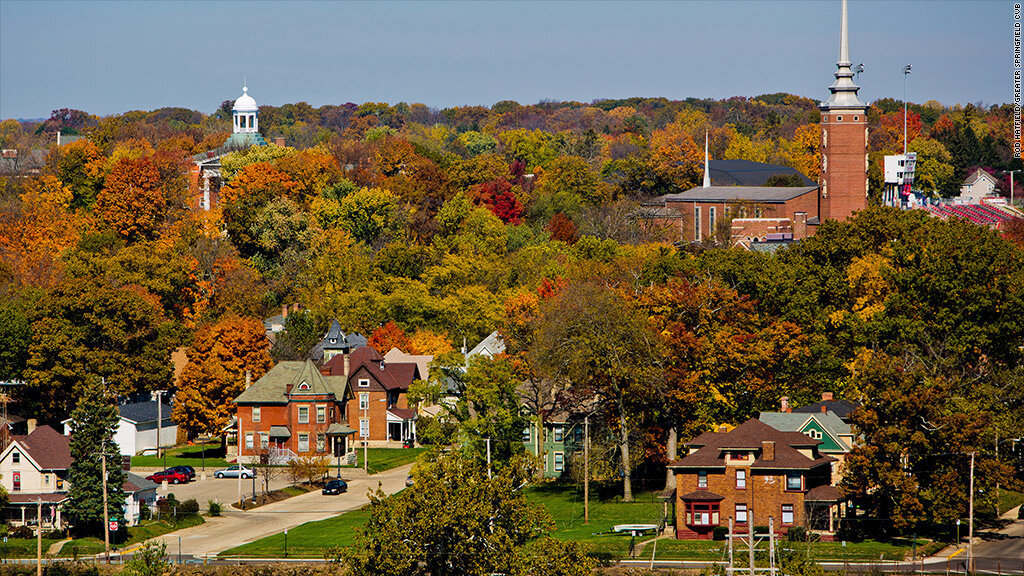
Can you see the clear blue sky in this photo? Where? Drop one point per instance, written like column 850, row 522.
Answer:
column 114, row 56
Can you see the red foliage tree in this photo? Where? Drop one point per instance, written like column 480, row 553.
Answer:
column 561, row 227
column 387, row 337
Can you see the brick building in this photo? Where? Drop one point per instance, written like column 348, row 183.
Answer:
column 294, row 410
column 750, row 474
column 378, row 408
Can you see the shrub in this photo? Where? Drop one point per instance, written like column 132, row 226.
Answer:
column 214, row 508
column 150, row 560
column 22, row 532
column 188, row 508
column 796, row 534
column 1020, row 512
column 55, row 534
column 720, row 532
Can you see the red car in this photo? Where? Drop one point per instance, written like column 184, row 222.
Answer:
column 172, row 476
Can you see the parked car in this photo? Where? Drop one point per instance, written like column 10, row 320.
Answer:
column 409, row 481
column 171, row 476
column 335, row 487
column 235, row 471
column 186, row 470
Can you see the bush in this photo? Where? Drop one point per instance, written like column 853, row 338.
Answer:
column 55, row 534
column 150, row 560
column 22, row 532
column 214, row 508
column 188, row 508
column 720, row 533
column 796, row 534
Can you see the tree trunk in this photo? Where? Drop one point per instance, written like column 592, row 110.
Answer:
column 627, row 484
column 670, row 454
column 540, row 440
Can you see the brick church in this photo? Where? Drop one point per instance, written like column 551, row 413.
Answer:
column 742, row 205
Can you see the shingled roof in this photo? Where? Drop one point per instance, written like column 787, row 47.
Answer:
column 762, row 194
column 274, row 386
column 390, row 375
column 46, row 447
column 751, row 435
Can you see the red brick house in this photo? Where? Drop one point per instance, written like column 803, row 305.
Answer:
column 378, row 409
column 750, row 474
column 294, row 410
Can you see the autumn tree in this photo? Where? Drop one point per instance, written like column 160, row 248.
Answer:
column 369, row 214
column 132, row 201
column 387, row 337
column 218, row 361
column 601, row 343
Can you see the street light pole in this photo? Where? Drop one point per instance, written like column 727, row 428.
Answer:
column 159, row 422
column 906, row 75
column 970, row 526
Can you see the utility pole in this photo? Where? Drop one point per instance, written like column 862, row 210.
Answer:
column 970, row 527
column 1011, row 185
column 366, row 437
column 159, row 423
column 488, row 458
column 586, row 469
column 106, row 518
column 906, row 76
column 39, row 536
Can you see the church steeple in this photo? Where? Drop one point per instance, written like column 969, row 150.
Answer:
column 844, row 91
column 707, row 163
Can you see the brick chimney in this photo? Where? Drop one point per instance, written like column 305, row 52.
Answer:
column 824, row 409
column 248, row 379
column 278, row 140
column 722, row 429
column 31, row 424
column 799, row 225
column 826, row 396
column 784, row 404
column 295, row 307
column 345, row 373
column 284, row 311
column 767, row 450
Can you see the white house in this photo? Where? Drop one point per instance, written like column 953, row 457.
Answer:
column 34, row 468
column 980, row 184
column 136, row 429
column 138, row 493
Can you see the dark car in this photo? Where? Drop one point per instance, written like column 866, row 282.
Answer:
column 335, row 487
column 170, row 476
column 186, row 470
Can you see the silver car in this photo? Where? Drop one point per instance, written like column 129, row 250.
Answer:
column 235, row 471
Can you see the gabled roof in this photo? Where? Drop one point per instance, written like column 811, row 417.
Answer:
column 140, row 412
column 390, row 375
column 980, row 174
column 750, row 436
column 725, row 194
column 841, row 407
column 49, row 449
column 136, row 483
column 422, row 361
column 302, row 377
column 489, row 346
column 337, row 339
column 795, row 421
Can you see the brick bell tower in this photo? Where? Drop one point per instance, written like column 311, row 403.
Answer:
column 844, row 142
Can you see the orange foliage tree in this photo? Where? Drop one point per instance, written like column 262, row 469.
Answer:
column 387, row 337
column 132, row 201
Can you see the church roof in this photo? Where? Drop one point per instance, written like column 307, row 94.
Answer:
column 761, row 194
column 750, row 173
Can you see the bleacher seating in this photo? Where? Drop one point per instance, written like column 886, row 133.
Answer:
column 980, row 214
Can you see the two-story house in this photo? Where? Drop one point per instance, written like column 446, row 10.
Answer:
column 34, row 468
column 293, row 410
column 835, row 433
column 749, row 474
column 378, row 408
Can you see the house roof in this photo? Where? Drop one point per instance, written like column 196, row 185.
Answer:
column 136, row 483
column 339, row 428
column 702, row 495
column 824, row 493
column 49, row 449
column 762, row 194
column 749, row 173
column 980, row 174
column 489, row 346
column 140, row 412
column 403, row 413
column 279, row 432
column 390, row 375
column 711, row 448
column 794, row 421
column 31, row 498
column 337, row 339
column 422, row 361
column 841, row 407
column 274, row 386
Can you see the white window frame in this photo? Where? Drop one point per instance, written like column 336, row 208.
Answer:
column 742, row 515
column 527, row 434
column 303, row 442
column 558, row 433
column 265, row 439
column 303, row 417
column 364, row 382
column 559, row 461
column 702, row 479
column 364, row 427
column 789, row 512
column 321, row 413
column 799, row 480
column 248, row 440
column 256, row 413
column 712, row 213
column 321, row 441
column 741, row 479
column 696, row 223
column 364, row 400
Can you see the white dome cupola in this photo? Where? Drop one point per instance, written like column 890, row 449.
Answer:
column 245, row 114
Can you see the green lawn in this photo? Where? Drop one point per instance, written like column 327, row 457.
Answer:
column 186, row 456
column 306, row 540
column 26, row 547
column 382, row 459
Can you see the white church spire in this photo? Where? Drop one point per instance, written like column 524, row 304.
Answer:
column 844, row 91
column 707, row 163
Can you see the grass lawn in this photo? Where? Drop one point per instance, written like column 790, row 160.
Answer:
column 186, row 456
column 306, row 540
column 381, row 459
column 23, row 547
column 1008, row 499
column 145, row 531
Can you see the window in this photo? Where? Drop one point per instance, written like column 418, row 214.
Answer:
column 741, row 479
column 303, row 414
column 559, row 461
column 793, row 481
column 264, row 439
column 814, row 434
column 321, row 441
column 46, row 479
column 303, row 442
column 702, row 513
column 16, row 476
column 526, row 434
column 321, row 414
column 364, row 383
column 248, row 441
column 558, row 433
column 16, row 457
column 60, row 483
column 304, row 385
column 364, row 400
column 256, row 414
column 741, row 513
column 696, row 222
column 740, row 455
column 364, row 427
column 711, row 220
column 787, row 513
column 702, row 479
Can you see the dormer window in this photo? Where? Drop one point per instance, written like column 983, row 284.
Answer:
column 364, row 383
column 740, row 455
column 304, row 385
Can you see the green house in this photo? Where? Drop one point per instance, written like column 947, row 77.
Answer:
column 836, row 435
column 560, row 439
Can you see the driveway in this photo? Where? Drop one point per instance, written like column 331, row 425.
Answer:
column 235, row 527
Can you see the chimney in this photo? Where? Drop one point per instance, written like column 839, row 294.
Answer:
column 345, row 373
column 826, row 396
column 295, row 307
column 784, row 404
column 824, row 409
column 31, row 423
column 722, row 429
column 799, row 225
column 767, row 450
column 278, row 140
column 248, row 379
column 284, row 311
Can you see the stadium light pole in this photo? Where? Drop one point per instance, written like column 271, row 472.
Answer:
column 1011, row 185
column 906, row 75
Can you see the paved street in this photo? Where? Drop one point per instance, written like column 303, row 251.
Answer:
column 235, row 527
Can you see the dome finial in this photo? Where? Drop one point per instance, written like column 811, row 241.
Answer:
column 245, row 84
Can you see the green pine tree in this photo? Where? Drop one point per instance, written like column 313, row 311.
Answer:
column 93, row 423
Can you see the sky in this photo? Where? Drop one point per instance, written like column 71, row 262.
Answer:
column 111, row 57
